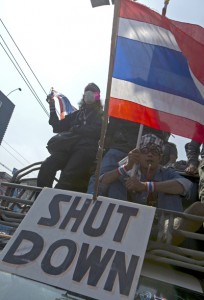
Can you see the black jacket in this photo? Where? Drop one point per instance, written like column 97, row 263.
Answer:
column 86, row 122
column 122, row 134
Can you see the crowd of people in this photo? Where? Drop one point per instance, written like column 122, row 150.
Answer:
column 145, row 175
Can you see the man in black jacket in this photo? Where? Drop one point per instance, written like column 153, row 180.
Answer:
column 76, row 162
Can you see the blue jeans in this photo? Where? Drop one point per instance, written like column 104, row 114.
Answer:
column 116, row 189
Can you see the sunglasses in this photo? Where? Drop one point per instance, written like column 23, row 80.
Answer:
column 153, row 150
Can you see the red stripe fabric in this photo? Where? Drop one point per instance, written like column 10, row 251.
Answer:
column 131, row 111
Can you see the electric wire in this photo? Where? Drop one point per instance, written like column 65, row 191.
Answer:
column 23, row 57
column 13, row 156
column 25, row 61
column 25, row 78
column 27, row 83
column 39, row 101
column 6, row 167
column 16, row 152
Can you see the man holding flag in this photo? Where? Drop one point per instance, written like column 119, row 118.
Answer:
column 75, row 161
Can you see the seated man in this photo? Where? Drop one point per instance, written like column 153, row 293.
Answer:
column 121, row 137
column 152, row 184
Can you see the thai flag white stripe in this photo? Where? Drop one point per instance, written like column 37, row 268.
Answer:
column 147, row 33
column 198, row 84
column 162, row 101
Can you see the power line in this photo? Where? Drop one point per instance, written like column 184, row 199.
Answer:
column 24, row 57
column 6, row 167
column 28, row 83
column 16, row 152
column 22, row 74
column 13, row 155
column 25, row 79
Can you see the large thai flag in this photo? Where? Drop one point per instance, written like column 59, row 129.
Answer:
column 158, row 76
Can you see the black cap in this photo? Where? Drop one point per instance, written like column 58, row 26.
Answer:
column 92, row 87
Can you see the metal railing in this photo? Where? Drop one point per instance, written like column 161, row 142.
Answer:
column 187, row 253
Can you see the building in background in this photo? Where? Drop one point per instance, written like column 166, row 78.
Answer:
column 6, row 110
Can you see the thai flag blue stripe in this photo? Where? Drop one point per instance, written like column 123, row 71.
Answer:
column 67, row 105
column 154, row 67
column 67, row 108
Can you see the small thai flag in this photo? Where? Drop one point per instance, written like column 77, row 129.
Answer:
column 66, row 107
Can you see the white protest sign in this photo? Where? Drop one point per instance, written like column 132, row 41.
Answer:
column 69, row 241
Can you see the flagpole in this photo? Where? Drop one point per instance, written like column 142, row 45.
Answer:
column 132, row 173
column 166, row 2
column 106, row 106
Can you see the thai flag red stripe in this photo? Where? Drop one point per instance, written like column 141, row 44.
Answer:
column 127, row 110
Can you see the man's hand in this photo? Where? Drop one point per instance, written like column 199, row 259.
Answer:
column 191, row 169
column 133, row 184
column 133, row 158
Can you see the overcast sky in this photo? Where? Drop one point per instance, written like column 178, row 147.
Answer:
column 67, row 45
